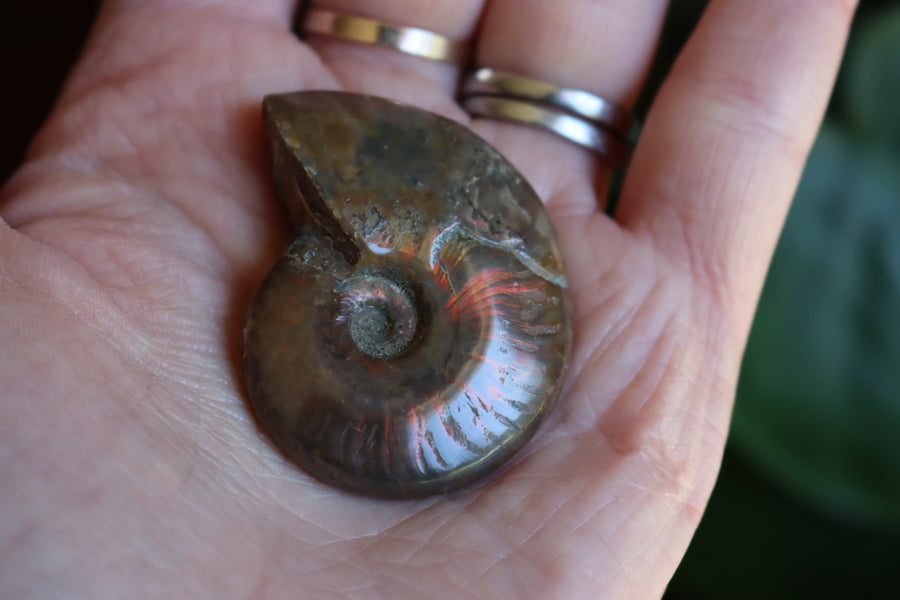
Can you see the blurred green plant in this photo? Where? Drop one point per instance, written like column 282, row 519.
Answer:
column 819, row 400
column 871, row 85
column 808, row 501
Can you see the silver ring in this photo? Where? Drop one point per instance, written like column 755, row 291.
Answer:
column 578, row 130
column 411, row 40
column 578, row 102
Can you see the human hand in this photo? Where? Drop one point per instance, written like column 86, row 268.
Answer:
column 143, row 219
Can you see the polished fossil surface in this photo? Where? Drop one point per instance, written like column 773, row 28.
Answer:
column 416, row 330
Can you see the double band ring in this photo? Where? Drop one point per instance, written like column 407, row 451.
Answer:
column 410, row 40
column 579, row 103
column 576, row 115
column 605, row 143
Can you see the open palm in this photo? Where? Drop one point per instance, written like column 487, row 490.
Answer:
column 134, row 235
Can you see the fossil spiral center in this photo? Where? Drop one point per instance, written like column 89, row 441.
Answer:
column 381, row 314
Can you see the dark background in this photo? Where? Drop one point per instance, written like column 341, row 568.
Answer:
column 39, row 43
column 808, row 501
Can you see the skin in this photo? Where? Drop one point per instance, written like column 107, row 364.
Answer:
column 143, row 218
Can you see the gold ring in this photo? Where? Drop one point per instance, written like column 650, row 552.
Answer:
column 411, row 40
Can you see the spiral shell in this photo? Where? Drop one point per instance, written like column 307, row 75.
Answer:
column 416, row 330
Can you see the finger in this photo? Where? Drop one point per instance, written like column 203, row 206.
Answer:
column 385, row 71
column 726, row 139
column 282, row 10
column 600, row 46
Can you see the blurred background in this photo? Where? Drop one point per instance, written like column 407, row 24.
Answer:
column 808, row 501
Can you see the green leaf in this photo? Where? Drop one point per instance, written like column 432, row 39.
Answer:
column 819, row 398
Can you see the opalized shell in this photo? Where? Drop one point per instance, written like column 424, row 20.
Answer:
column 416, row 331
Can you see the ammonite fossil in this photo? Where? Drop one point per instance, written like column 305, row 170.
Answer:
column 416, row 330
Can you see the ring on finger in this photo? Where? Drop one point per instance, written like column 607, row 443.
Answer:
column 409, row 40
column 487, row 81
column 576, row 115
